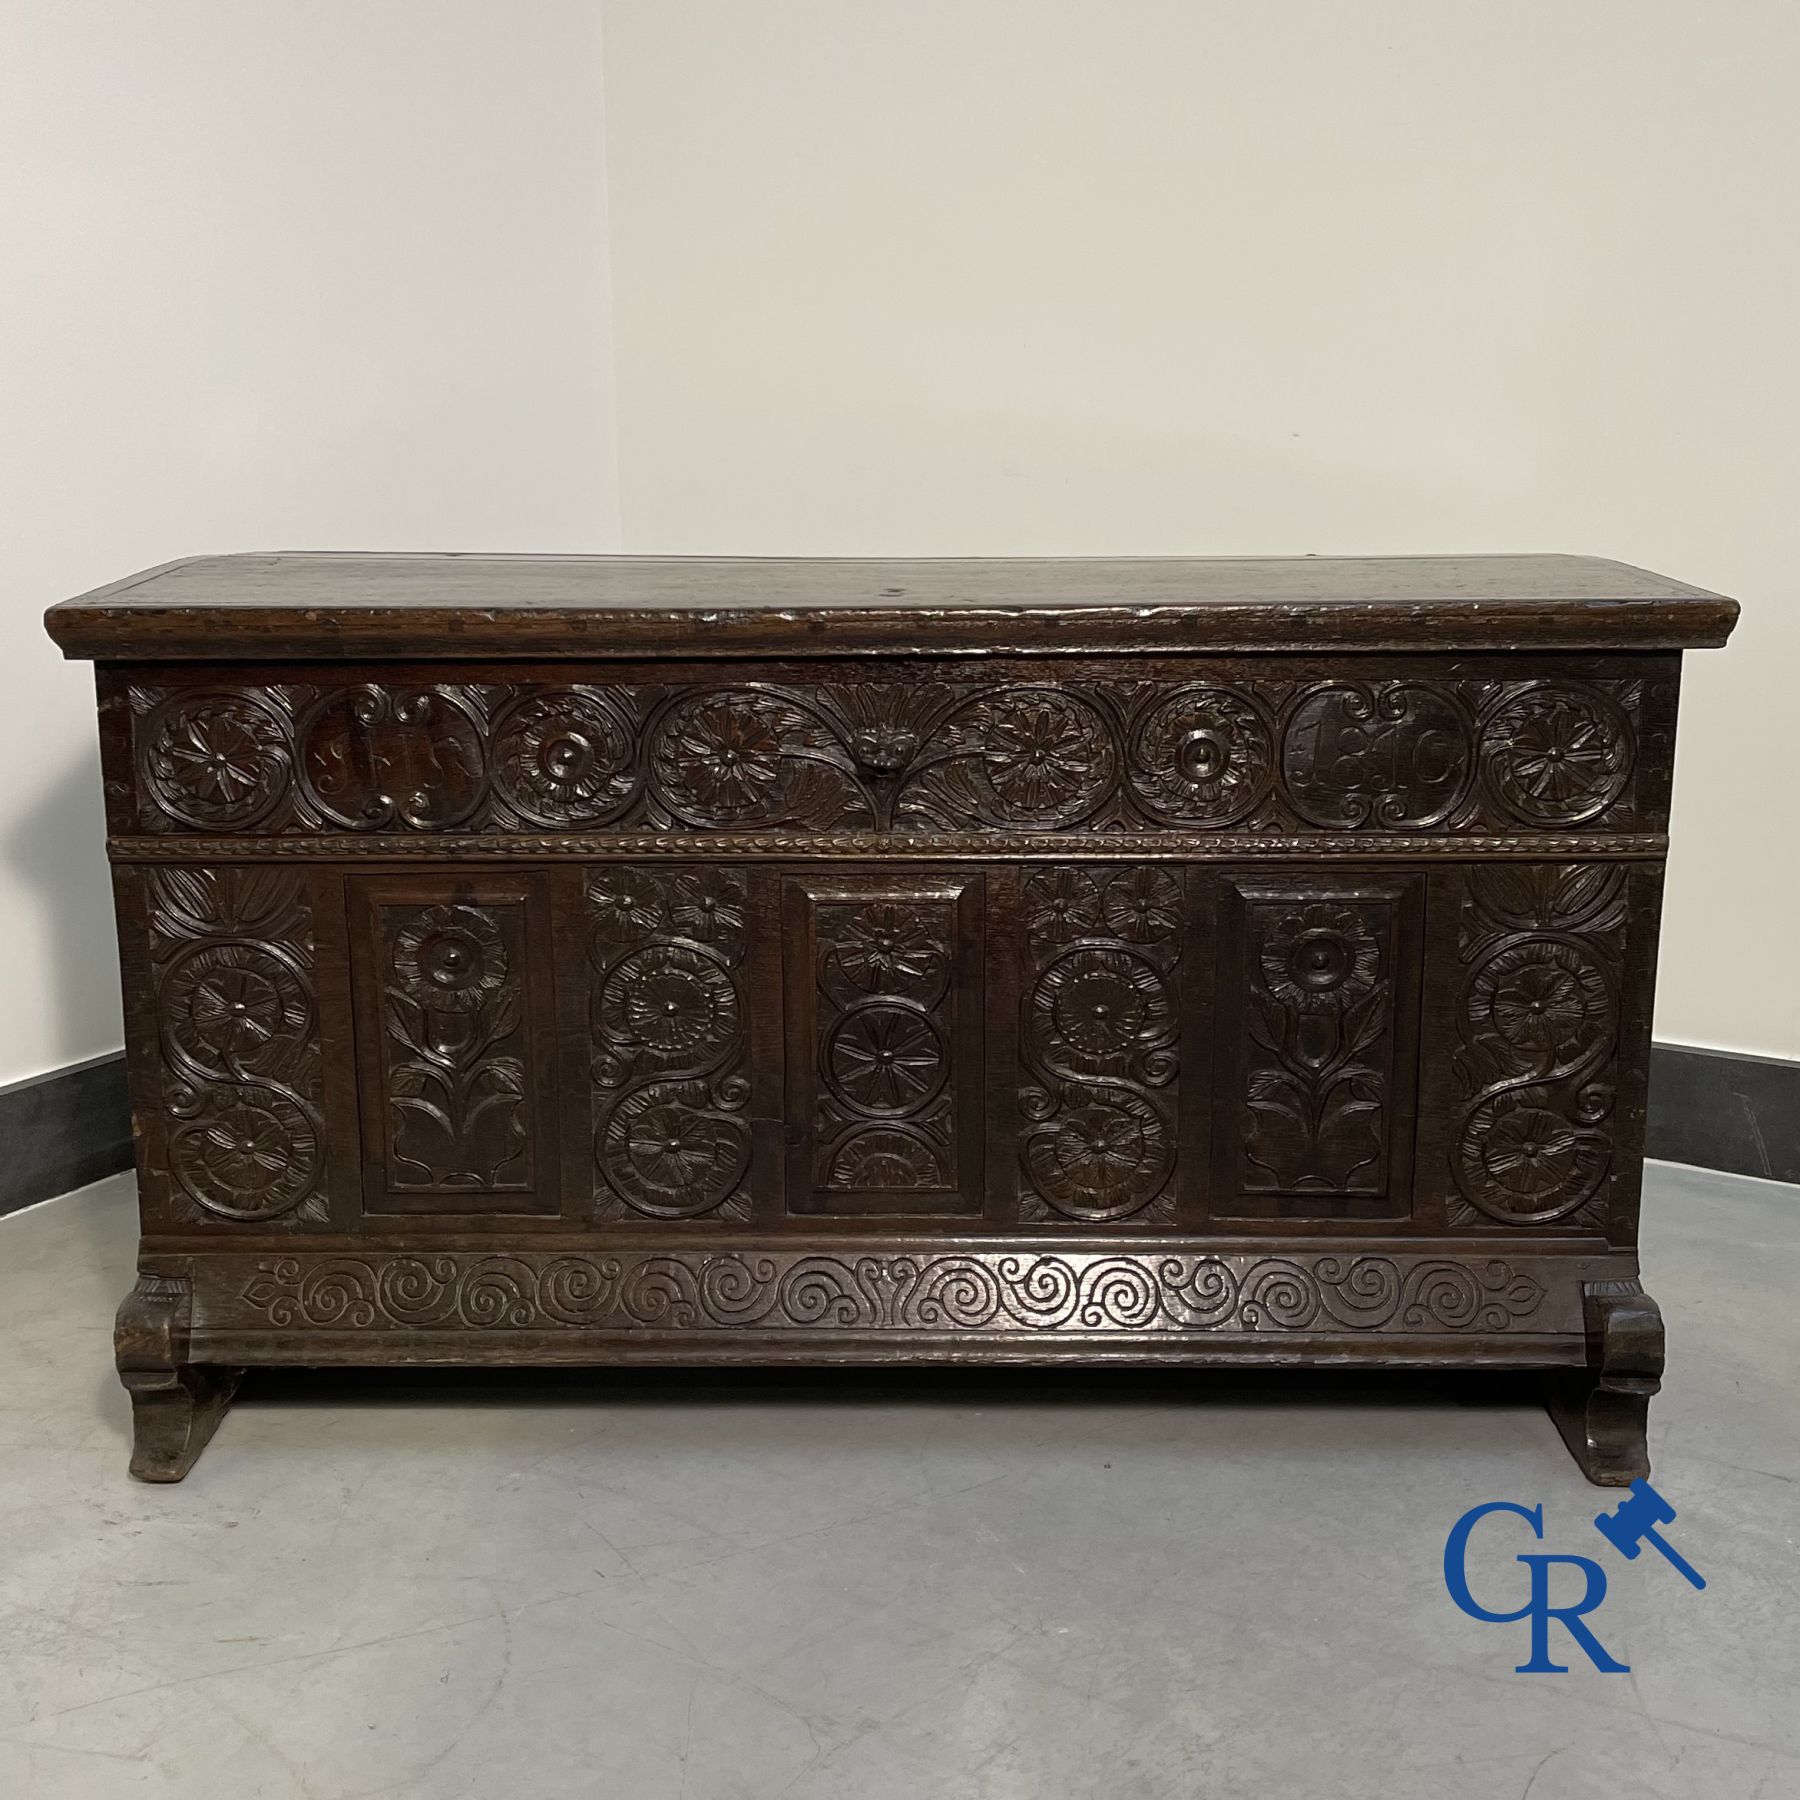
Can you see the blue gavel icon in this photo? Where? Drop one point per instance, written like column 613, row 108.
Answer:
column 1633, row 1523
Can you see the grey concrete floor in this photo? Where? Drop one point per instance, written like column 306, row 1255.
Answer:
column 869, row 1587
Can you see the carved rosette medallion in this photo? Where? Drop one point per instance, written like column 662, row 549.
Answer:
column 565, row 759
column 232, row 967
column 1046, row 756
column 1202, row 757
column 1538, row 1043
column 1012, row 759
column 216, row 761
column 1101, row 1018
column 1556, row 754
column 671, row 1135
column 752, row 756
column 885, row 1059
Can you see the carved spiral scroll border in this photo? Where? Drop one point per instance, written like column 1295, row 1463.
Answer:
column 1027, row 1293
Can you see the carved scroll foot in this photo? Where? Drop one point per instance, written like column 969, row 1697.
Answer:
column 1603, row 1410
column 175, row 1405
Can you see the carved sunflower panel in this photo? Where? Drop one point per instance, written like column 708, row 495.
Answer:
column 669, row 1041
column 1315, row 1099
column 1099, row 1030
column 239, row 1134
column 1538, row 1040
column 453, row 1045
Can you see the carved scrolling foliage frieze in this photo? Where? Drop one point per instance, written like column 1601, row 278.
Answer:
column 998, row 1292
column 241, row 1129
column 668, row 1026
column 1101, row 1016
column 1538, row 1024
column 1382, row 754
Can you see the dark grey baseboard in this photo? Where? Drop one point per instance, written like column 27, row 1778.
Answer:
column 1711, row 1108
column 1718, row 1110
column 62, row 1130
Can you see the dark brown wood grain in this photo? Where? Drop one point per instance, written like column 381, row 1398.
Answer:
column 227, row 607
column 1242, row 962
column 1413, row 745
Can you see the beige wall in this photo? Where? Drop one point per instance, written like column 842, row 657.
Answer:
column 272, row 275
column 1248, row 275
column 983, row 276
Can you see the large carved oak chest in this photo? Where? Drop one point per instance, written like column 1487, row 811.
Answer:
column 602, row 960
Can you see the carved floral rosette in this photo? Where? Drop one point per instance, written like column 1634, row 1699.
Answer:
column 1398, row 752
column 455, row 1077
column 669, row 1033
column 1024, row 758
column 241, row 1136
column 1538, row 1024
column 1098, row 1038
column 1319, row 1020
column 1026, row 1293
column 885, row 1117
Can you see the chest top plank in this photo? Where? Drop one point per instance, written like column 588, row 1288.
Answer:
column 346, row 605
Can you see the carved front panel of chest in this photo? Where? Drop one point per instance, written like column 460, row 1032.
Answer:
column 1265, row 745
column 1316, row 1032
column 1099, row 1043
column 677, row 1047
column 1548, row 1014
column 884, row 990
column 223, row 997
column 455, row 1045
column 671, row 1033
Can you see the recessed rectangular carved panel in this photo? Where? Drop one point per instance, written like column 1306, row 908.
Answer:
column 884, row 994
column 1407, row 746
column 1535, row 1077
column 453, row 1045
column 1318, row 997
column 1099, row 1031
column 238, row 1134
column 670, row 1035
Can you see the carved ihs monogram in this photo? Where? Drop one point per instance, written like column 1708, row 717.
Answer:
column 240, row 1133
column 1097, row 1137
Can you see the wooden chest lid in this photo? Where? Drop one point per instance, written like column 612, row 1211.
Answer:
column 351, row 605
